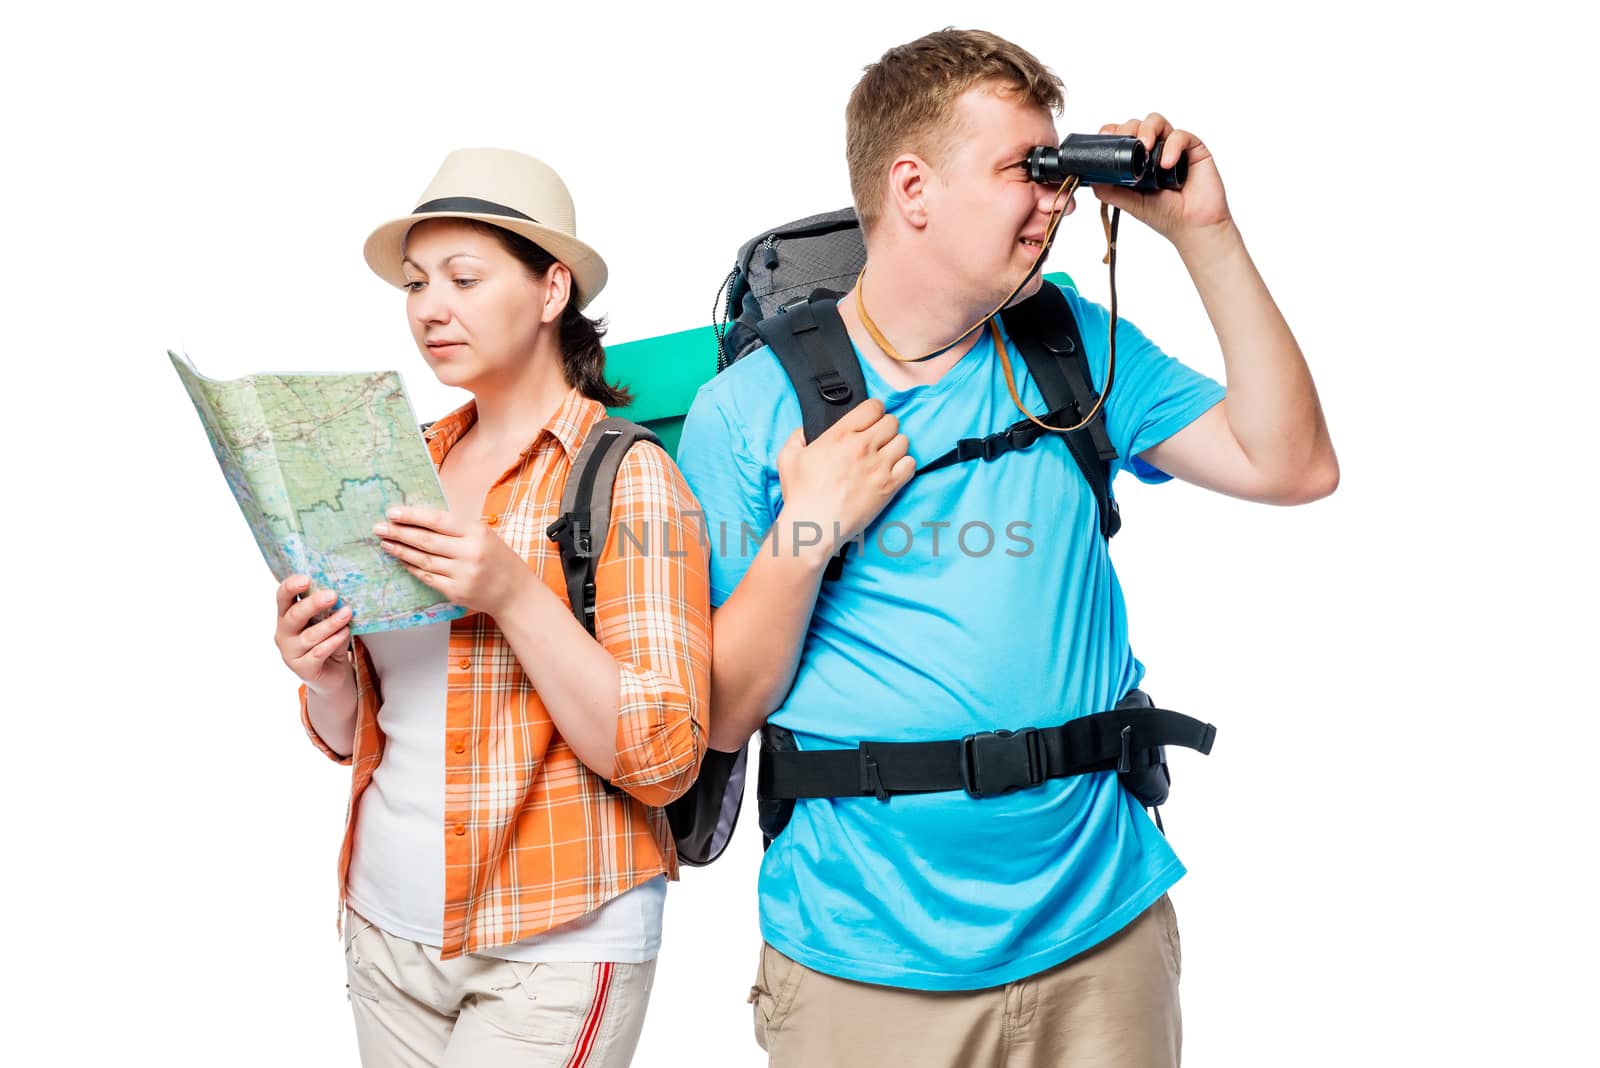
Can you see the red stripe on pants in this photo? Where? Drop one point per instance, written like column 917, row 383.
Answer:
column 591, row 1023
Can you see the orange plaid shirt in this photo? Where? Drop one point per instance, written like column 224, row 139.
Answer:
column 532, row 837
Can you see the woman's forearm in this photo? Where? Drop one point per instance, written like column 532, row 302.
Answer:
column 578, row 682
column 332, row 712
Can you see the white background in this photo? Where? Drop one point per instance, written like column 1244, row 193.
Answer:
column 1386, row 850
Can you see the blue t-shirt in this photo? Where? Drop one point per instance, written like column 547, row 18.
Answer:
column 981, row 598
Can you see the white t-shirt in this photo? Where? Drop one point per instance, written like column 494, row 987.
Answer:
column 396, row 875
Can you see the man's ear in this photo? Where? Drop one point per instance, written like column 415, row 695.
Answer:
column 908, row 186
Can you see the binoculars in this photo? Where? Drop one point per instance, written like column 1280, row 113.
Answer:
column 1106, row 159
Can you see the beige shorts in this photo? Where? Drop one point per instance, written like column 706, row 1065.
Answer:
column 1115, row 1004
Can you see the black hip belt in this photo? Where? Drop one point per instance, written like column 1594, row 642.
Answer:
column 1128, row 740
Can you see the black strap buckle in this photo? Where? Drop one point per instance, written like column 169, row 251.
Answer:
column 996, row 445
column 571, row 533
column 990, row 448
column 833, row 388
column 1023, row 436
column 997, row 762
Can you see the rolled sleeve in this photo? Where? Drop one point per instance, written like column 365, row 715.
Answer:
column 653, row 615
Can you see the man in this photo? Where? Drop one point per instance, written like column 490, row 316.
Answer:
column 941, row 928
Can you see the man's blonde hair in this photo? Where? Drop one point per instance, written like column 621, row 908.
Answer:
column 905, row 101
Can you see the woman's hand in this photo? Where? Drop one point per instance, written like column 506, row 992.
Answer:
column 319, row 653
column 461, row 558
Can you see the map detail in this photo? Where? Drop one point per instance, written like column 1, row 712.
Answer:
column 314, row 460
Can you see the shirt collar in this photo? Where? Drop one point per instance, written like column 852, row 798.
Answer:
column 572, row 420
column 568, row 424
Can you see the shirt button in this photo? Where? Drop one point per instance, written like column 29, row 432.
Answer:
column 492, row 520
column 461, row 828
column 461, row 747
column 464, row 663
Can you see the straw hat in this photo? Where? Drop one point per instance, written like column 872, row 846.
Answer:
column 505, row 189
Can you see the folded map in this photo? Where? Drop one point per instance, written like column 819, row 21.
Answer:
column 314, row 460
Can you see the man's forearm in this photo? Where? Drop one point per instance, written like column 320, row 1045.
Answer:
column 1272, row 406
column 758, row 635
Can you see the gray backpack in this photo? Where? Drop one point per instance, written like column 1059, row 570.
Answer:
column 782, row 267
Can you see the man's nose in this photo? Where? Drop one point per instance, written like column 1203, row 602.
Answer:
column 1047, row 199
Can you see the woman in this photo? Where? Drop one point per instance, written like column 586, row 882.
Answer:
column 505, row 855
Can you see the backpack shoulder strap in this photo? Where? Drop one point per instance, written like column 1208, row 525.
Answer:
column 1046, row 333
column 810, row 341
column 580, row 531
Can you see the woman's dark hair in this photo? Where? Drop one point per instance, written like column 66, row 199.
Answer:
column 583, row 358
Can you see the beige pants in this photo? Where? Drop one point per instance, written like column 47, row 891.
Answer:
column 1114, row 1005
column 413, row 1009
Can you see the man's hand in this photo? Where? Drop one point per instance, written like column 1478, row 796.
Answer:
column 1199, row 207
column 846, row 477
column 461, row 558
